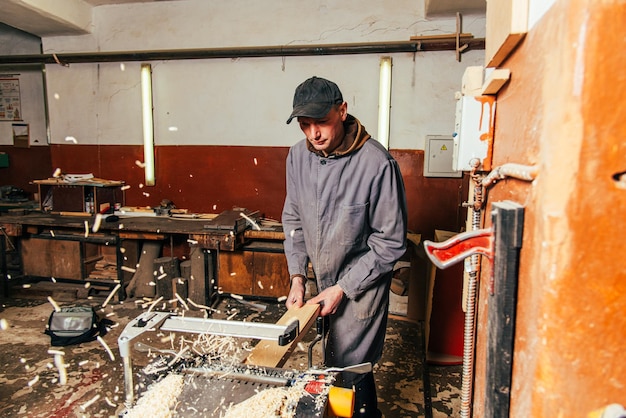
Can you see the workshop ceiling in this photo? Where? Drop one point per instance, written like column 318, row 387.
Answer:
column 48, row 19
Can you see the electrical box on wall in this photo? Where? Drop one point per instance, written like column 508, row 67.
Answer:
column 473, row 132
column 438, row 157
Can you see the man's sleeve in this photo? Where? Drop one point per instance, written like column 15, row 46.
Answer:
column 295, row 249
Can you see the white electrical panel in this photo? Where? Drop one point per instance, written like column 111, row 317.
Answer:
column 473, row 132
column 438, row 157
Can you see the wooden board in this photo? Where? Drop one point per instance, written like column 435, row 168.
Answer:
column 271, row 235
column 507, row 24
column 496, row 80
column 269, row 353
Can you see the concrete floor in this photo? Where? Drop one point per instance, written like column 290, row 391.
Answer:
column 29, row 385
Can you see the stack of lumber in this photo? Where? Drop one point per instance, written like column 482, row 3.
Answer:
column 104, row 269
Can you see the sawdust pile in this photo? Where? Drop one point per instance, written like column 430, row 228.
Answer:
column 159, row 400
column 275, row 402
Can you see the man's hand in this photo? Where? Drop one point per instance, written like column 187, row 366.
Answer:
column 329, row 299
column 296, row 293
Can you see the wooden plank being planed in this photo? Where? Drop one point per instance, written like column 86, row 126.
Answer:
column 269, row 353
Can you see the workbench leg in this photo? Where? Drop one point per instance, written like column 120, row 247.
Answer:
column 210, row 277
column 119, row 261
column 3, row 266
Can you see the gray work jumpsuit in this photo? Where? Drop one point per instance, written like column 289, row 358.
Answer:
column 347, row 215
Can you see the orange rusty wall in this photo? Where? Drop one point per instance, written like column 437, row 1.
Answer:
column 564, row 111
column 216, row 178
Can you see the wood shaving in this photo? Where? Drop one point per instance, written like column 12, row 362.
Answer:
column 180, row 299
column 154, row 303
column 54, row 304
column 96, row 223
column 32, row 382
column 159, row 399
column 58, row 362
column 199, row 306
column 106, row 347
column 115, row 289
column 274, row 402
column 90, row 402
column 178, row 355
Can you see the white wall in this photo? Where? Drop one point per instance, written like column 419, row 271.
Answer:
column 246, row 101
column 15, row 42
column 536, row 10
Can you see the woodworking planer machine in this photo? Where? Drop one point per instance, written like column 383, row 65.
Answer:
column 214, row 386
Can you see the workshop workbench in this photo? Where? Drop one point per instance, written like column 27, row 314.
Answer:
column 223, row 233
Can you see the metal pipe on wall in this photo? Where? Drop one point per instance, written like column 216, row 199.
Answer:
column 443, row 44
column 481, row 183
column 469, row 327
column 518, row 171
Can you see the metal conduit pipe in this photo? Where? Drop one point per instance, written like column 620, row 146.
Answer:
column 518, row 171
column 444, row 44
column 469, row 325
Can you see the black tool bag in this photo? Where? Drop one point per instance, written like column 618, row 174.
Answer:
column 74, row 325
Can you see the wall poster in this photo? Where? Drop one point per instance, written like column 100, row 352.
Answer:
column 10, row 105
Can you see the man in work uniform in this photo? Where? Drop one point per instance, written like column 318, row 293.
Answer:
column 345, row 212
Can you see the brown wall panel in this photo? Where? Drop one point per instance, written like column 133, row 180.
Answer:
column 25, row 165
column 432, row 202
column 211, row 179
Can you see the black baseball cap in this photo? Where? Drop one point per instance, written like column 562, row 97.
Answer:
column 314, row 98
